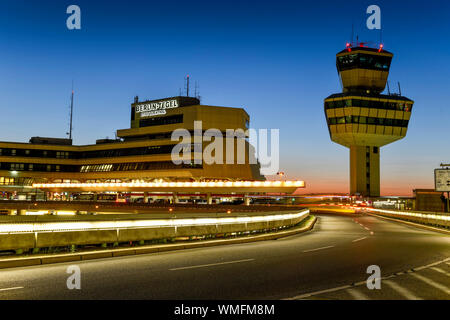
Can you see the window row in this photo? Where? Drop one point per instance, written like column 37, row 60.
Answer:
column 132, row 166
column 164, row 149
column 363, row 61
column 368, row 120
column 34, row 153
column 385, row 105
column 159, row 121
column 8, row 181
column 136, row 166
column 34, row 167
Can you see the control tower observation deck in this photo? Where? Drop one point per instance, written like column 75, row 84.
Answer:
column 361, row 118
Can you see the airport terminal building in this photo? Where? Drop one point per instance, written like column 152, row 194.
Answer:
column 141, row 153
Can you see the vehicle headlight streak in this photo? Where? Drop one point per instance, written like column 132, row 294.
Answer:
column 136, row 184
column 131, row 224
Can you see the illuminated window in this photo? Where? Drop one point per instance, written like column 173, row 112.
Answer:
column 17, row 166
column 62, row 155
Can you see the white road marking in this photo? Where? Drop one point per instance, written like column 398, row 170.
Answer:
column 367, row 228
column 431, row 283
column 357, row 295
column 306, row 295
column 430, row 265
column 13, row 288
column 440, row 271
column 400, row 290
column 211, row 264
column 317, row 249
column 356, row 240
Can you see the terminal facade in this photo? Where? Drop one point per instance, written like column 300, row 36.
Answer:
column 361, row 118
column 141, row 153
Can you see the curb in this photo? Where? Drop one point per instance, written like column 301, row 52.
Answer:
column 413, row 224
column 33, row 261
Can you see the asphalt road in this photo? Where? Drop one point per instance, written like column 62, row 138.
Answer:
column 329, row 262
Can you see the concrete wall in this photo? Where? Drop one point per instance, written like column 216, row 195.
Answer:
column 34, row 238
column 365, row 170
column 432, row 219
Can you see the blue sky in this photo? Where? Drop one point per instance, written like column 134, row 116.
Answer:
column 275, row 59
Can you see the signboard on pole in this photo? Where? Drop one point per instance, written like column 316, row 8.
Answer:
column 442, row 180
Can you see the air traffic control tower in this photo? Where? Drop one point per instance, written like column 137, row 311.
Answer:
column 361, row 118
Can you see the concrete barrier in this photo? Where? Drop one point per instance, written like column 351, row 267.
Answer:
column 439, row 220
column 26, row 232
column 17, row 241
column 21, row 262
column 67, row 238
column 108, row 253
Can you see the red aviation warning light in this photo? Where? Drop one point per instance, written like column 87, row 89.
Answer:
column 381, row 48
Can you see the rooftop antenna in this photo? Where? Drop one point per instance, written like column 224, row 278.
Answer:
column 197, row 90
column 198, row 96
column 353, row 27
column 399, row 89
column 381, row 36
column 389, row 90
column 71, row 114
column 187, row 86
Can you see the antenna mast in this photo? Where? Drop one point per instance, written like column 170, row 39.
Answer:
column 71, row 114
column 353, row 27
column 399, row 89
column 187, row 86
